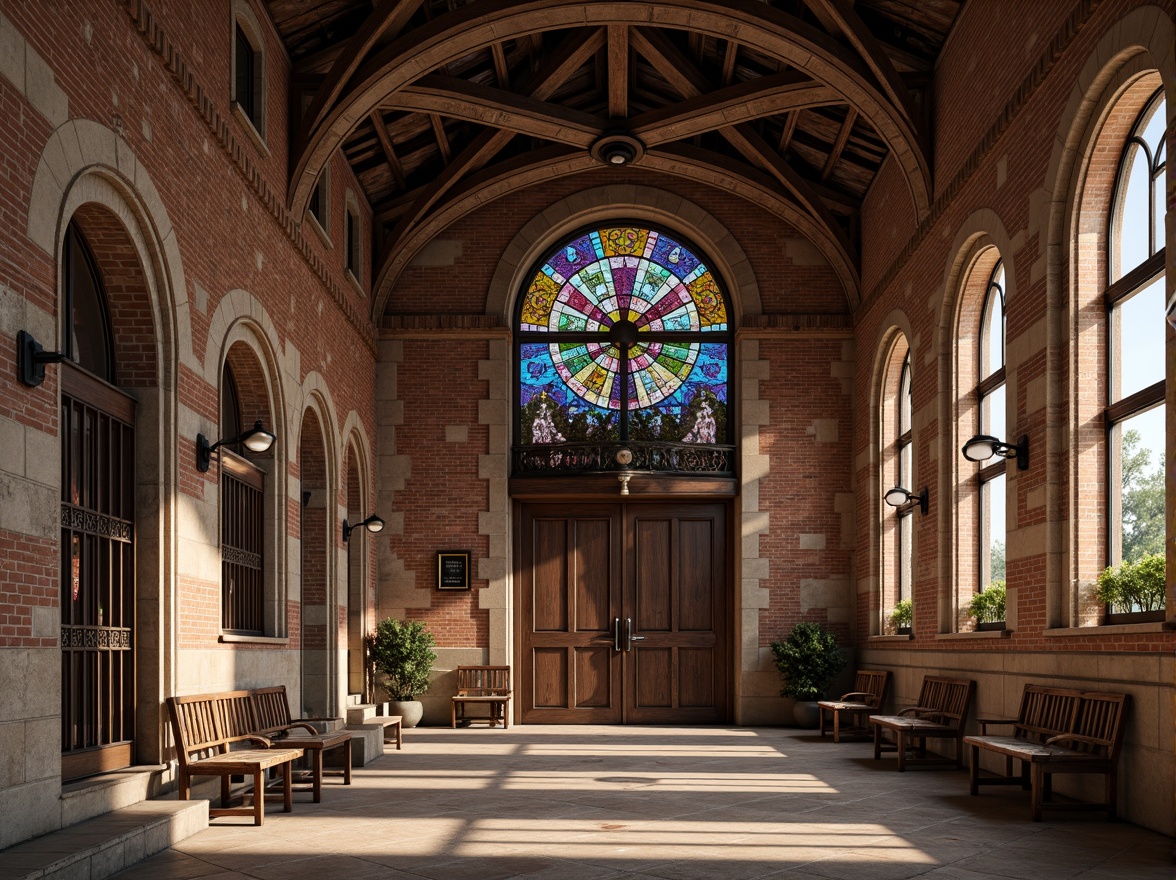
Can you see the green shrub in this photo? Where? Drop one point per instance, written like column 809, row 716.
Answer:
column 403, row 654
column 988, row 606
column 903, row 615
column 808, row 660
column 1134, row 586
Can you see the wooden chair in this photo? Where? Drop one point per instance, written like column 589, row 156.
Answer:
column 272, row 713
column 941, row 713
column 1056, row 731
column 868, row 695
column 487, row 685
column 207, row 728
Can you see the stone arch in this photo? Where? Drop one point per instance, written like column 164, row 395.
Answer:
column 1137, row 45
column 634, row 202
column 87, row 174
column 356, row 500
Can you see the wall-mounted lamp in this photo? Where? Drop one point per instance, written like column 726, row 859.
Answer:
column 373, row 524
column 900, row 497
column 256, row 439
column 31, row 358
column 983, row 446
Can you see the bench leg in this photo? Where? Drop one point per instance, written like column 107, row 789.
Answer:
column 258, row 795
column 185, row 785
column 316, row 775
column 877, row 742
column 505, row 714
column 347, row 762
column 821, row 719
column 959, row 753
column 453, row 716
column 225, row 795
column 974, row 769
column 900, row 738
column 836, row 725
column 288, row 784
column 1038, row 777
column 1112, row 795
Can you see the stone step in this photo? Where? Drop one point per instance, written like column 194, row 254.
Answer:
column 362, row 713
column 101, row 847
column 354, row 699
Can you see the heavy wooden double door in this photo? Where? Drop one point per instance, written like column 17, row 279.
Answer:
column 624, row 614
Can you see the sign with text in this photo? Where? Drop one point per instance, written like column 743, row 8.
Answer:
column 453, row 570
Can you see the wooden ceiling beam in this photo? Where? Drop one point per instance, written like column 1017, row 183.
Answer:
column 729, row 62
column 389, row 151
column 485, row 105
column 789, row 130
column 442, row 138
column 839, row 143
column 618, row 71
column 742, row 102
column 839, row 18
column 501, row 70
column 386, row 20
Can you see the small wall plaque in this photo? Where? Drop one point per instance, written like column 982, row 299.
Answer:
column 453, row 570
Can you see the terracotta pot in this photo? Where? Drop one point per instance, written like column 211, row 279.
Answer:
column 410, row 711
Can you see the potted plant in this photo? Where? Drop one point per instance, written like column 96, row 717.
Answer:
column 402, row 654
column 988, row 607
column 809, row 659
column 902, row 617
column 1134, row 588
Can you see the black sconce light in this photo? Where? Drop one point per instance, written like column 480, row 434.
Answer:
column 373, row 524
column 900, row 497
column 256, row 439
column 31, row 358
column 983, row 446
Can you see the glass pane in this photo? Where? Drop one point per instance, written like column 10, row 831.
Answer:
column 1137, row 341
column 550, row 409
column 905, row 532
column 906, row 456
column 992, row 413
column 678, row 392
column 904, row 397
column 992, row 329
column 992, row 542
column 89, row 341
column 1131, row 235
column 1138, row 446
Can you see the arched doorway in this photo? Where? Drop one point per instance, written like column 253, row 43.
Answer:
column 97, row 524
column 317, row 620
column 357, row 551
column 624, row 462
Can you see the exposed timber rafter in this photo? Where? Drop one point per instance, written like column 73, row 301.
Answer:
column 389, row 150
column 758, row 27
column 839, row 144
column 618, row 71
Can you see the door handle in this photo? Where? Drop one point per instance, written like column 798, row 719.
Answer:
column 617, row 634
column 629, row 637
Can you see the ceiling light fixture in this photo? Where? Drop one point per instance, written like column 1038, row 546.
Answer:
column 617, row 149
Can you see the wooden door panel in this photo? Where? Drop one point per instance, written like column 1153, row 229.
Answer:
column 655, row 678
column 594, row 677
column 696, row 677
column 549, row 594
column 550, row 676
column 696, row 611
column 591, row 575
column 654, row 561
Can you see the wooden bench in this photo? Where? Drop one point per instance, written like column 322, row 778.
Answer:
column 207, row 727
column 487, row 685
column 272, row 717
column 941, row 713
column 1056, row 731
column 868, row 694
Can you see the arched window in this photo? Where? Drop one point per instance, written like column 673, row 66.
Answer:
column 242, row 523
column 87, row 338
column 898, row 483
column 623, row 339
column 1134, row 304
column 990, row 404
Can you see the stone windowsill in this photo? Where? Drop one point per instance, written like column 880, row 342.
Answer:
column 318, row 229
column 977, row 634
column 250, row 129
column 905, row 637
column 1115, row 629
column 234, row 639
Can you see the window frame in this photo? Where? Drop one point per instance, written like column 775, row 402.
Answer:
column 904, row 444
column 249, row 108
column 74, row 236
column 989, row 381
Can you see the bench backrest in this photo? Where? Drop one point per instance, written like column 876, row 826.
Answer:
column 949, row 699
column 271, row 709
column 1102, row 718
column 872, row 683
column 1046, row 712
column 207, row 724
column 483, row 681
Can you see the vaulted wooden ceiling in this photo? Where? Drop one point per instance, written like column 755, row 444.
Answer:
column 443, row 105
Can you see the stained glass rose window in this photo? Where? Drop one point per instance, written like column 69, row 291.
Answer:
column 623, row 333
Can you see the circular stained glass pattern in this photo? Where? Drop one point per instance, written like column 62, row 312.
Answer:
column 623, row 319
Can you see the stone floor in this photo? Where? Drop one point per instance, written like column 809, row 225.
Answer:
column 581, row 803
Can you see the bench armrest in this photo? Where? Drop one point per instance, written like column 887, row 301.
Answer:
column 917, row 711
column 256, row 738
column 868, row 698
column 986, row 722
column 1074, row 737
column 309, row 728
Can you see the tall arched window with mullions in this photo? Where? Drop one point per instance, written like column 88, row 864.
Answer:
column 1134, row 303
column 898, row 491
column 905, row 461
column 990, row 399
column 623, row 337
